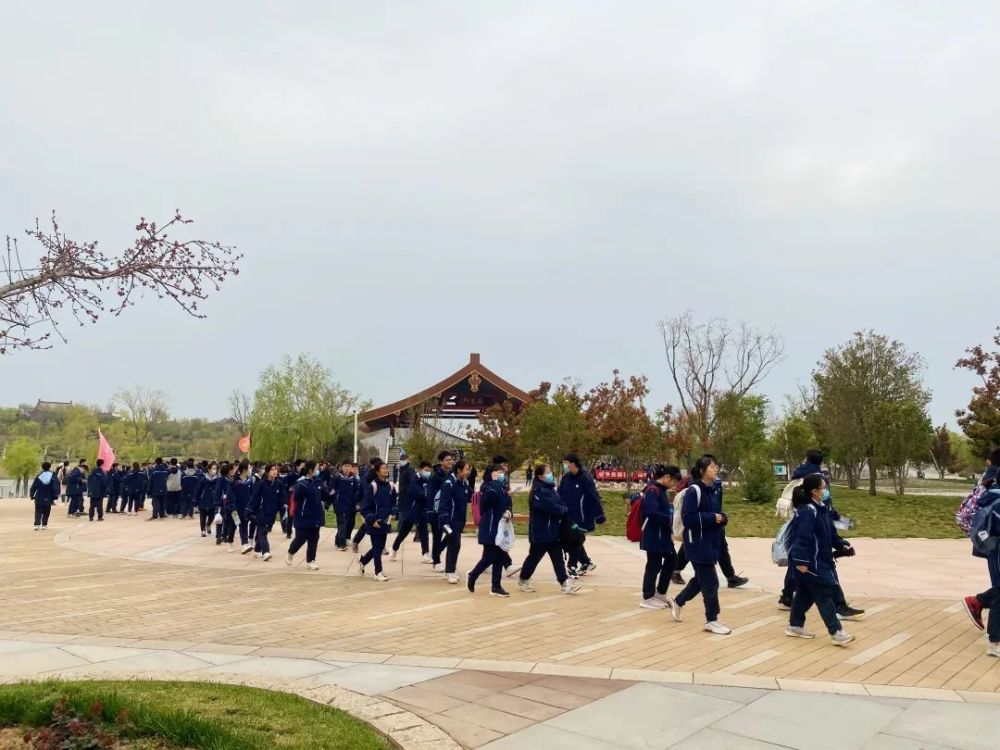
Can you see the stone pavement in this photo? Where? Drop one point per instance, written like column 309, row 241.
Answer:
column 543, row 669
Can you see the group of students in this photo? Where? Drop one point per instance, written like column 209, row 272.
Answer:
column 813, row 541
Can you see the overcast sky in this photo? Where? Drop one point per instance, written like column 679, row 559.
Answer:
column 537, row 181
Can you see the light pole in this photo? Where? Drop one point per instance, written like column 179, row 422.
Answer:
column 355, row 436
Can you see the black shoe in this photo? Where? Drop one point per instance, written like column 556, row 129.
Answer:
column 471, row 585
column 678, row 579
column 850, row 613
column 784, row 604
column 500, row 592
column 736, row 581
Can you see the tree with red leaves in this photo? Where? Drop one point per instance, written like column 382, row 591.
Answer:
column 980, row 421
column 77, row 276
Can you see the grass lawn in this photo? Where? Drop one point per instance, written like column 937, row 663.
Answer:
column 196, row 715
column 882, row 516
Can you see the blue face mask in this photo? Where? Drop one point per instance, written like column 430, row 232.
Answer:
column 549, row 478
column 499, row 477
column 826, row 495
column 425, row 474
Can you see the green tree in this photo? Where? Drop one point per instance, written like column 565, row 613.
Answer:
column 621, row 427
column 554, row 425
column 904, row 436
column 942, row 452
column 980, row 421
column 757, row 479
column 739, row 429
column 498, row 433
column 22, row 458
column 299, row 410
column 791, row 437
column 854, row 384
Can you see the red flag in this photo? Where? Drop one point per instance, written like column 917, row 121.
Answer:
column 244, row 443
column 104, row 449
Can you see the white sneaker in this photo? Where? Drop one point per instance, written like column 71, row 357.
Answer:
column 232, row 548
column 511, row 570
column 526, row 587
column 717, row 627
column 993, row 650
column 381, row 577
column 45, row 528
column 652, row 603
column 312, row 566
column 675, row 610
column 452, row 577
column 662, row 597
column 246, row 548
column 426, row 560
column 588, row 568
column 439, row 568
column 289, row 558
column 570, row 587
column 38, row 528
column 392, row 556
column 266, row 557
column 794, row 631
column 840, row 638
column 258, row 555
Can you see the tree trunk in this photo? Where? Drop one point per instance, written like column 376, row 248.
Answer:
column 872, row 488
column 852, row 477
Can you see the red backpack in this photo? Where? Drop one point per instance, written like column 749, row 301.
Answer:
column 633, row 524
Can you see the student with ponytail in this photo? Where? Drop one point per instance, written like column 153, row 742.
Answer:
column 703, row 524
column 811, row 555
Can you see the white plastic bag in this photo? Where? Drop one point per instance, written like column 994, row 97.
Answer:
column 218, row 518
column 505, row 534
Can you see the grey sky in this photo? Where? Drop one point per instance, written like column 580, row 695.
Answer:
column 540, row 182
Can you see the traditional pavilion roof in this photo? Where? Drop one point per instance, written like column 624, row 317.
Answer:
column 462, row 395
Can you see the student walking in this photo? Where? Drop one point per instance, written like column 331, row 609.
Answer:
column 703, row 522
column 115, row 478
column 76, row 485
column 811, row 554
column 366, row 487
column 545, row 512
column 172, row 505
column 345, row 503
column 380, row 501
column 158, row 489
column 412, row 508
column 446, row 461
column 191, row 480
column 494, row 506
column 989, row 599
column 657, row 517
column 267, row 501
column 97, row 490
column 206, row 498
column 309, row 517
column 453, row 515
column 578, row 492
column 225, row 506
column 242, row 484
column 44, row 491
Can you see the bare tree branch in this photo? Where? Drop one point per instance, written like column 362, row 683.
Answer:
column 77, row 276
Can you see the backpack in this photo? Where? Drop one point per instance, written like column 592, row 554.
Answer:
column 783, row 508
column 984, row 529
column 967, row 509
column 678, row 504
column 633, row 523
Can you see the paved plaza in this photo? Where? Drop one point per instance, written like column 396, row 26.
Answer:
column 422, row 659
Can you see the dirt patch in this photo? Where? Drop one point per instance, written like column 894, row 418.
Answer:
column 12, row 738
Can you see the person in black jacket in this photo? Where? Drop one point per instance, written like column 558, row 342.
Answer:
column 97, row 489
column 114, row 488
column 76, row 485
column 310, row 516
column 44, row 491
column 413, row 509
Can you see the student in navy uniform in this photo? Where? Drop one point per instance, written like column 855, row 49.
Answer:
column 291, row 479
column 989, row 599
column 453, row 513
column 657, row 515
column 810, row 551
column 114, row 487
column 509, row 568
column 158, row 488
column 225, row 506
column 545, row 512
column 406, row 474
column 379, row 504
column 241, row 499
column 172, row 505
column 97, row 490
column 206, row 497
column 132, row 487
column 309, row 516
column 76, row 485
column 578, row 492
column 365, row 489
column 191, row 479
column 446, row 460
column 494, row 505
column 413, row 509
column 345, row 499
column 267, row 499
column 703, row 523
column 45, row 492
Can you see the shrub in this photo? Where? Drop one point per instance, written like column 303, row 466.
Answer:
column 757, row 476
